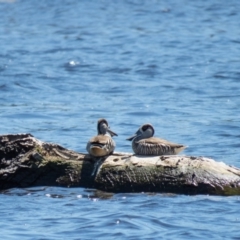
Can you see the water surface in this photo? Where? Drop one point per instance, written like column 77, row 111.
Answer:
column 174, row 64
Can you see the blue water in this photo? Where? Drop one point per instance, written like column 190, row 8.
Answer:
column 174, row 64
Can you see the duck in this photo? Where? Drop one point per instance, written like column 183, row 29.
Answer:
column 143, row 143
column 102, row 144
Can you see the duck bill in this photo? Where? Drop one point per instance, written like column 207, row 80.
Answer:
column 111, row 132
column 132, row 137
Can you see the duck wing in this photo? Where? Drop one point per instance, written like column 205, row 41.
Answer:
column 158, row 146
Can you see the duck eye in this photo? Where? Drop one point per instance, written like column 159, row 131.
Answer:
column 145, row 127
column 104, row 122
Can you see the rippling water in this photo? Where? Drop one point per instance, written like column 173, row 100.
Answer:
column 174, row 64
column 57, row 213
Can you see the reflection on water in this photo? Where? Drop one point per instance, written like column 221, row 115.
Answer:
column 139, row 215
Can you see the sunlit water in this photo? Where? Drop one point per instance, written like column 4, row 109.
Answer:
column 175, row 64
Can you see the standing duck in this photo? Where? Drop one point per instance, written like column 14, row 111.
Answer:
column 102, row 144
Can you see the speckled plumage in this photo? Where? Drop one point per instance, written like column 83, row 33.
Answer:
column 143, row 143
column 102, row 144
